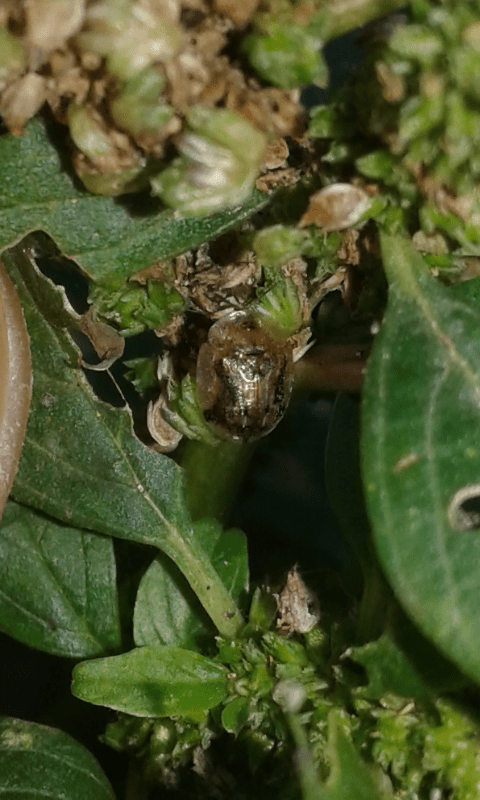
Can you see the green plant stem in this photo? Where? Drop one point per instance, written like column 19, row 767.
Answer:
column 346, row 15
column 205, row 582
column 213, row 474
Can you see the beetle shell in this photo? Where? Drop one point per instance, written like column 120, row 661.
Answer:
column 244, row 378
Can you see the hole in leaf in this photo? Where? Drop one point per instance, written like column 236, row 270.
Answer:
column 464, row 508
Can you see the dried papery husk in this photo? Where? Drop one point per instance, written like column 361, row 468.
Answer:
column 336, row 207
column 15, row 383
column 166, row 437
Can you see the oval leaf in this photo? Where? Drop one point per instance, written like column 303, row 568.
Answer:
column 58, row 584
column 421, row 452
column 36, row 761
column 152, row 682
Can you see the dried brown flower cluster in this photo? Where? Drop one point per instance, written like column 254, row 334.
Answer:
column 123, row 74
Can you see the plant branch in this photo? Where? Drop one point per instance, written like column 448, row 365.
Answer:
column 213, row 474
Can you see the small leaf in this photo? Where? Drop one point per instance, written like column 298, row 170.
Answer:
column 389, row 670
column 350, row 777
column 36, row 761
column 421, row 453
column 99, row 233
column 235, row 714
column 58, row 585
column 167, row 611
column 152, row 682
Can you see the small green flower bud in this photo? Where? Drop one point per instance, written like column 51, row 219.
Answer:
column 138, row 108
column 287, row 56
column 285, row 650
column 142, row 373
column 127, row 733
column 131, row 35
column 276, row 245
column 107, row 163
column 183, row 413
column 219, row 162
column 136, row 308
column 263, row 609
column 283, row 304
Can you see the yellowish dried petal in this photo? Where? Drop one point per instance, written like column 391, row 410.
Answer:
column 51, row 22
column 21, row 100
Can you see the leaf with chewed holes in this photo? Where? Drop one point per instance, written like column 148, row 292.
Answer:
column 421, row 452
column 81, row 463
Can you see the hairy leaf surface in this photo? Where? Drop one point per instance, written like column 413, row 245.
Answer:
column 103, row 235
column 80, row 461
column 57, row 585
column 40, row 762
column 421, row 452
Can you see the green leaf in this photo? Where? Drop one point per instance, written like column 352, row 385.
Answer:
column 58, row 585
column 235, row 714
column 350, row 777
column 389, row 670
column 421, row 453
column 100, row 233
column 80, row 462
column 167, row 611
column 36, row 761
column 152, row 682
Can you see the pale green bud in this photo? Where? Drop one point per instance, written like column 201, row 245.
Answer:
column 219, row 162
column 138, row 108
column 13, row 56
column 131, row 35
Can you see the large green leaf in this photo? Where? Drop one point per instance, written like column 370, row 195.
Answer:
column 81, row 463
column 166, row 610
column 36, row 761
column 100, row 233
column 58, row 585
column 421, row 452
column 152, row 682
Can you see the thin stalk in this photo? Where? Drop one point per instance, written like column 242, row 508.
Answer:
column 213, row 474
column 205, row 582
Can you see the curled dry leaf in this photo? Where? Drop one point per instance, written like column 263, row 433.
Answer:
column 15, row 383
